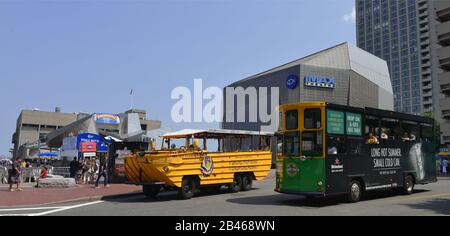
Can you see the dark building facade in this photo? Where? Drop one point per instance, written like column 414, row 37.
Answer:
column 408, row 35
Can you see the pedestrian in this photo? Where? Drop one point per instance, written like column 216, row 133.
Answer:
column 14, row 176
column 103, row 172
column 73, row 168
column 79, row 173
column 444, row 166
column 44, row 172
column 24, row 164
column 85, row 171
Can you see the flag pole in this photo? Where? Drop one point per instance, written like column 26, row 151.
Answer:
column 131, row 99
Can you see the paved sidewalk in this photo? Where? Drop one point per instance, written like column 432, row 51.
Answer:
column 39, row 196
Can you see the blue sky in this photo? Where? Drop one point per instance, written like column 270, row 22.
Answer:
column 88, row 55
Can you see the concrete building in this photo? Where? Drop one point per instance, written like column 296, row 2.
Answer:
column 408, row 35
column 347, row 75
column 36, row 130
column 34, row 125
column 441, row 11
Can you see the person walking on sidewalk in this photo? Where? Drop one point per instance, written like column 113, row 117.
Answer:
column 444, row 166
column 73, row 168
column 103, row 172
column 14, row 176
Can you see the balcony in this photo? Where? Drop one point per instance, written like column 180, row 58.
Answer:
column 427, row 88
column 426, row 72
column 443, row 33
column 425, row 42
column 426, row 80
column 426, row 65
column 424, row 36
column 443, row 55
column 445, row 107
column 423, row 22
column 428, row 94
column 444, row 82
column 442, row 9
column 428, row 102
column 423, row 5
column 426, row 57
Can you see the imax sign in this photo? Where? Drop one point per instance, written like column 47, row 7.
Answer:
column 318, row 81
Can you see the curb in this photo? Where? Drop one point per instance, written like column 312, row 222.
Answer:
column 84, row 199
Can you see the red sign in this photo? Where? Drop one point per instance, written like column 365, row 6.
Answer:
column 88, row 147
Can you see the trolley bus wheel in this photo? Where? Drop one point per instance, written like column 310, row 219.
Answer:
column 151, row 191
column 408, row 185
column 237, row 184
column 247, row 182
column 187, row 189
column 355, row 191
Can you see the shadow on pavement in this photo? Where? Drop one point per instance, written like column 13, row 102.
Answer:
column 439, row 206
column 315, row 202
column 167, row 196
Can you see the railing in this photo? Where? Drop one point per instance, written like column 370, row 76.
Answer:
column 62, row 171
column 3, row 175
column 32, row 174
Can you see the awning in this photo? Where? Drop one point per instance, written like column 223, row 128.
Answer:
column 214, row 133
column 47, row 154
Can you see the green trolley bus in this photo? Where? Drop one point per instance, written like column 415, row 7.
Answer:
column 327, row 149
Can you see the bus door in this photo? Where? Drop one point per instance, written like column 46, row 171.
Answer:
column 304, row 167
column 337, row 162
column 344, row 147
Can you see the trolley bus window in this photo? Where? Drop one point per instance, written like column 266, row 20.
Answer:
column 412, row 129
column 426, row 132
column 292, row 120
column 372, row 130
column 336, row 146
column 312, row 144
column 313, row 118
column 292, row 144
column 279, row 144
column 390, row 129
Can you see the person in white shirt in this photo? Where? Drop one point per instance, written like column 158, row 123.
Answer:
column 444, row 166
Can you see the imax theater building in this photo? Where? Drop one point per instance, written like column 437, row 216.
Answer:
column 343, row 74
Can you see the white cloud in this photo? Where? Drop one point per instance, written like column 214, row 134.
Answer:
column 350, row 17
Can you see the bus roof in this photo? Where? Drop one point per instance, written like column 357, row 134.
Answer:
column 214, row 133
column 366, row 110
column 384, row 113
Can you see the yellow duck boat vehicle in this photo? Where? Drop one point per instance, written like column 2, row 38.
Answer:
column 240, row 157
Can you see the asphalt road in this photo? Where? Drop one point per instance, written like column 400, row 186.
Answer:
column 433, row 199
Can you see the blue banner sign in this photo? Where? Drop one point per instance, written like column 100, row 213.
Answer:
column 320, row 81
column 102, row 145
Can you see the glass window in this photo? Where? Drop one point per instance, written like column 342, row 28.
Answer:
column 279, row 144
column 371, row 125
column 426, row 132
column 313, row 118
column 292, row 144
column 336, row 145
column 280, row 121
column 411, row 129
column 390, row 129
column 312, row 144
column 292, row 120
